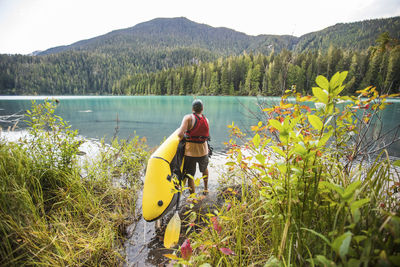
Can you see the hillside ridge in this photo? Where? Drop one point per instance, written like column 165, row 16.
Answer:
column 162, row 33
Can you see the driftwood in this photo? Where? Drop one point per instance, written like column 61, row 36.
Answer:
column 12, row 120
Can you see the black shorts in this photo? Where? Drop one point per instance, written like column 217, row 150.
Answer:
column 189, row 166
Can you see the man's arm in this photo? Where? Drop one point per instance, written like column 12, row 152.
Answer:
column 184, row 126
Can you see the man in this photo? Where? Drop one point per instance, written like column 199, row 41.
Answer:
column 195, row 129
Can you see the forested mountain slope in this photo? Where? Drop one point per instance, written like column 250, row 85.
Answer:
column 355, row 36
column 97, row 65
column 172, row 33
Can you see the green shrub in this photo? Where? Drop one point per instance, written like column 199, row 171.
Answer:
column 309, row 196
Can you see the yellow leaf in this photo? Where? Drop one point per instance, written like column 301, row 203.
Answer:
column 171, row 256
column 208, row 243
column 305, row 98
column 286, row 106
column 315, row 122
column 320, row 94
column 172, row 232
column 394, row 95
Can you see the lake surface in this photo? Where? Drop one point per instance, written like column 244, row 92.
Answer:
column 156, row 117
column 153, row 117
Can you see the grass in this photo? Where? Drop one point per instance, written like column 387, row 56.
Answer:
column 51, row 215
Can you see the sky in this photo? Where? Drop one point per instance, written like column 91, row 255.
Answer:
column 31, row 25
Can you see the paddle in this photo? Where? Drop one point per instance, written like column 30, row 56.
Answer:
column 173, row 230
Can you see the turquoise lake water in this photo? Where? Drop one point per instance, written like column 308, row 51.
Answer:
column 156, row 117
column 153, row 117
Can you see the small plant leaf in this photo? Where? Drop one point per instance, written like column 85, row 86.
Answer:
column 216, row 225
column 320, row 95
column 354, row 263
column 334, row 82
column 273, row 262
column 239, row 156
column 278, row 150
column 324, row 261
column 315, row 122
column 256, row 140
column 395, row 259
column 299, row 149
column 192, row 217
column 171, row 256
column 339, row 90
column 227, row 251
column 319, row 235
column 349, row 191
column 341, row 244
column 322, row 82
column 358, row 204
column 260, row 158
column 343, row 76
column 186, row 250
column 325, row 137
column 359, row 238
column 276, row 124
column 333, row 186
column 396, row 163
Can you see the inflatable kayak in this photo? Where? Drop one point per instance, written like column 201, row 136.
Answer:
column 159, row 194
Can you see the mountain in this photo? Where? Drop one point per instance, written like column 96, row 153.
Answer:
column 35, row 53
column 355, row 36
column 175, row 33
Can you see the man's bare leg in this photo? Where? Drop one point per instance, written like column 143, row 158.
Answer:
column 158, row 224
column 205, row 179
column 191, row 185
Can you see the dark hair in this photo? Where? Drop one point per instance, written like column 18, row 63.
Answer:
column 197, row 105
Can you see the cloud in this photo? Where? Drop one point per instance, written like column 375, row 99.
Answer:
column 380, row 9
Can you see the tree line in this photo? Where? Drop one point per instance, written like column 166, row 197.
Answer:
column 86, row 72
column 259, row 74
column 183, row 71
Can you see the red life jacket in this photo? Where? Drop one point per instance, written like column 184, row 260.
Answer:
column 200, row 131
